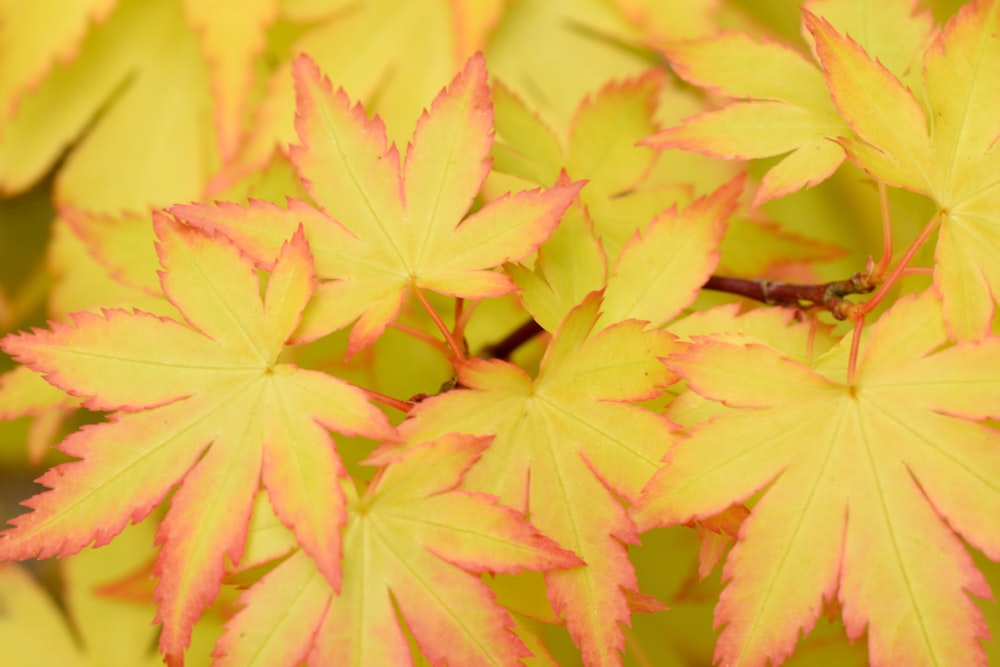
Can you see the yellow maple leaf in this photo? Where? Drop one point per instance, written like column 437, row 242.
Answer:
column 208, row 404
column 565, row 444
column 858, row 480
column 413, row 543
column 381, row 228
column 777, row 102
column 948, row 152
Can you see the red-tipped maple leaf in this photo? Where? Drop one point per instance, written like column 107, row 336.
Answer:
column 658, row 272
column 412, row 542
column 948, row 151
column 779, row 106
column 661, row 270
column 380, row 230
column 777, row 101
column 566, row 443
column 389, row 55
column 859, row 480
column 207, row 404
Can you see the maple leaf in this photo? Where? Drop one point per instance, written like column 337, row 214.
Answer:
column 778, row 102
column 586, row 46
column 565, row 444
column 87, row 628
column 859, row 479
column 232, row 35
column 134, row 80
column 94, row 618
column 569, row 266
column 392, row 56
column 656, row 274
column 672, row 19
column 39, row 35
column 412, row 542
column 896, row 32
column 207, row 404
column 782, row 107
column 79, row 283
column 661, row 270
column 600, row 147
column 123, row 245
column 948, row 152
column 379, row 230
column 629, row 188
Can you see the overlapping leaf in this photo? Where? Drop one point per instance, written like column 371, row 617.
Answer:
column 391, row 56
column 232, row 37
column 600, row 147
column 100, row 80
column 632, row 196
column 413, row 543
column 584, row 49
column 859, row 479
column 569, row 266
column 35, row 631
column 784, row 108
column 661, row 270
column 380, row 231
column 208, row 404
column 123, row 245
column 35, row 35
column 779, row 102
column 657, row 273
column 672, row 19
column 124, row 277
column 895, row 31
column 564, row 445
column 948, row 152
column 133, row 100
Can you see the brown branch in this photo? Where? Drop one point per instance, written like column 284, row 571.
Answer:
column 829, row 296
column 826, row 295
column 515, row 339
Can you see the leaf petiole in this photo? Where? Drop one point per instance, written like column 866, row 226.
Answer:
column 883, row 202
column 421, row 336
column 456, row 348
column 900, row 267
column 396, row 403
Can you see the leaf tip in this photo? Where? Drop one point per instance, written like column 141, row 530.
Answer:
column 304, row 67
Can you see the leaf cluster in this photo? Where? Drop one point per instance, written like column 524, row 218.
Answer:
column 404, row 341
